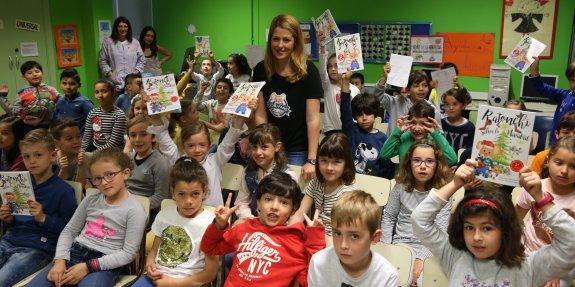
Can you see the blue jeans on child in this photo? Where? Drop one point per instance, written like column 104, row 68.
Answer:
column 296, row 157
column 16, row 263
column 79, row 253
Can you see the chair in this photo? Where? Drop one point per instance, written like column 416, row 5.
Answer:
column 77, row 190
column 378, row 187
column 456, row 198
column 399, row 256
column 297, row 170
column 432, row 274
column 543, row 126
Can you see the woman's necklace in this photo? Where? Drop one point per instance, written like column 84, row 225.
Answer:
column 477, row 275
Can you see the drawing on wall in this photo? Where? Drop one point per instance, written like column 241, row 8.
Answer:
column 67, row 45
column 536, row 18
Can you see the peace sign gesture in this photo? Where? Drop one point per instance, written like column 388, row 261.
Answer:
column 224, row 212
column 316, row 222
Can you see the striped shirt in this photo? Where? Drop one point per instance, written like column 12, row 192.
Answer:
column 324, row 202
column 104, row 129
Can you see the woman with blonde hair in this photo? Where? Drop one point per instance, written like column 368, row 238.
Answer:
column 290, row 98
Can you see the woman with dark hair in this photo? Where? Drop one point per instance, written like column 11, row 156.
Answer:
column 148, row 42
column 290, row 97
column 121, row 54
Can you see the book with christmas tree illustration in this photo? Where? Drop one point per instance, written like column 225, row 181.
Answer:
column 16, row 190
column 501, row 143
column 163, row 94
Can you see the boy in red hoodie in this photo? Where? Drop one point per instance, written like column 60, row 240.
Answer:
column 267, row 251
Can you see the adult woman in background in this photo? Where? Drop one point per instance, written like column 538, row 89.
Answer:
column 153, row 65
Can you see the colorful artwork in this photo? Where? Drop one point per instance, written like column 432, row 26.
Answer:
column 163, row 94
column 427, row 49
column 327, row 25
column 238, row 102
column 203, row 45
column 67, row 46
column 522, row 55
column 471, row 52
column 536, row 18
column 501, row 143
column 348, row 53
column 16, row 190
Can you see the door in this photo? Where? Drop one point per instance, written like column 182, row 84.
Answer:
column 12, row 56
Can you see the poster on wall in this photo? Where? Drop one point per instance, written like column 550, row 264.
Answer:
column 104, row 30
column 522, row 55
column 471, row 52
column 536, row 18
column 427, row 49
column 67, row 45
column 501, row 143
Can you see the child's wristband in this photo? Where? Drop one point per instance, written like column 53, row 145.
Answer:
column 93, row 265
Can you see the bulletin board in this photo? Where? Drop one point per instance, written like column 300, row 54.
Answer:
column 471, row 52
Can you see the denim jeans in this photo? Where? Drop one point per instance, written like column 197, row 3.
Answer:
column 16, row 263
column 79, row 253
column 144, row 281
column 296, row 157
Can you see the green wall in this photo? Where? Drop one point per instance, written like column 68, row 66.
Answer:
column 86, row 15
column 229, row 25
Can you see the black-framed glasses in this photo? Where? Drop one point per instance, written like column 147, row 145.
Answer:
column 108, row 177
column 418, row 161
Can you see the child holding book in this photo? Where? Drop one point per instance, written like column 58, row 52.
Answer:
column 206, row 73
column 31, row 241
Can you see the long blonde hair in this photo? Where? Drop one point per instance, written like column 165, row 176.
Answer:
column 298, row 57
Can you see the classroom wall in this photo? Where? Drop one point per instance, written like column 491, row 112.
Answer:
column 85, row 14
column 230, row 24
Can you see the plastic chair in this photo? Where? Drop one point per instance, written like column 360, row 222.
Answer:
column 432, row 275
column 399, row 256
column 378, row 187
column 543, row 126
column 77, row 190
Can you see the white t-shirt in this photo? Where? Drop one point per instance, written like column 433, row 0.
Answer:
column 179, row 253
column 326, row 270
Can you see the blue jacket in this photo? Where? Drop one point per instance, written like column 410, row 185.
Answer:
column 565, row 100
column 75, row 107
column 58, row 203
column 124, row 103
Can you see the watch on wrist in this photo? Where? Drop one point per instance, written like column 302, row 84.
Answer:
column 547, row 198
column 312, row 161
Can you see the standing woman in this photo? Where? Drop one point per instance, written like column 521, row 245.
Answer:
column 290, row 98
column 153, row 65
column 121, row 54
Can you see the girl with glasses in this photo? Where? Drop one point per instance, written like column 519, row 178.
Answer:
column 423, row 169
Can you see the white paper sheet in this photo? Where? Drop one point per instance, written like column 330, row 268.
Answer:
column 444, row 80
column 400, row 70
column 254, row 54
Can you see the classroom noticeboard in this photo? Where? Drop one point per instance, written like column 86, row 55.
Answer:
column 471, row 52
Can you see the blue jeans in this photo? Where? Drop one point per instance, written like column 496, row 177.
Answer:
column 79, row 253
column 144, row 281
column 16, row 263
column 296, row 157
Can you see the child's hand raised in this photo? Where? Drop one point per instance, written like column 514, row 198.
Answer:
column 320, row 37
column 534, row 68
column 403, row 123
column 465, row 173
column 531, row 181
column 211, row 55
column 386, row 69
column 223, row 213
column 344, row 81
column 191, row 60
column 316, row 222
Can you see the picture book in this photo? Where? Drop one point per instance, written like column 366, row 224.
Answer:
column 327, row 25
column 348, row 53
column 16, row 190
column 238, row 102
column 522, row 55
column 163, row 94
column 203, row 45
column 501, row 143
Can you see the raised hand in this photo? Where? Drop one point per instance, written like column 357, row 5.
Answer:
column 316, row 222
column 465, row 173
column 320, row 37
column 211, row 55
column 344, row 81
column 223, row 213
column 403, row 123
column 430, row 125
column 534, row 68
column 191, row 60
column 386, row 69
column 531, row 181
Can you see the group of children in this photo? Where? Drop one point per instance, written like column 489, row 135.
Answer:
column 120, row 150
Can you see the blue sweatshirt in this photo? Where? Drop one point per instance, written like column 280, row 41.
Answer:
column 75, row 107
column 458, row 136
column 565, row 100
column 365, row 146
column 58, row 203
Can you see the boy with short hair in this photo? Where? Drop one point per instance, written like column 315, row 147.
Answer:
column 566, row 127
column 358, row 80
column 31, row 242
column 35, row 104
column 350, row 261
column 72, row 105
column 133, row 86
column 70, row 157
column 365, row 140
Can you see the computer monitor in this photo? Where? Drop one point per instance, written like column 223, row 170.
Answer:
column 528, row 94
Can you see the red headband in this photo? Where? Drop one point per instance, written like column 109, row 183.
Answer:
column 482, row 201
